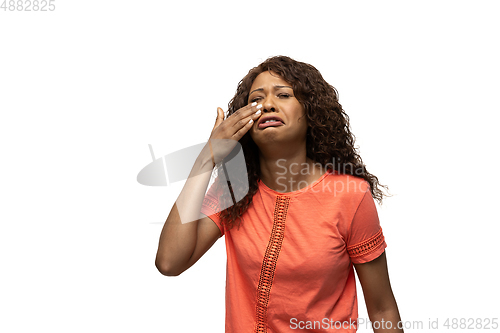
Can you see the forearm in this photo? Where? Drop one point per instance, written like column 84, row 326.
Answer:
column 386, row 321
column 179, row 233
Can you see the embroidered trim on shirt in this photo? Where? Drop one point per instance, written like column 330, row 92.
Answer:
column 367, row 246
column 269, row 262
column 211, row 203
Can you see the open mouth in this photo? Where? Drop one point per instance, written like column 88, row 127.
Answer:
column 270, row 122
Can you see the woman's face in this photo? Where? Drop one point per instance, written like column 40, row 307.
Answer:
column 279, row 102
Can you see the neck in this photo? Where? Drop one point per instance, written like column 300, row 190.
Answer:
column 287, row 170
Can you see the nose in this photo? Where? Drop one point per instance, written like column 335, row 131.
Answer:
column 268, row 104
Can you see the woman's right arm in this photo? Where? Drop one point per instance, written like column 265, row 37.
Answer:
column 178, row 240
column 185, row 236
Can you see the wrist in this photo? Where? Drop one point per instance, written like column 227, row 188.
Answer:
column 205, row 160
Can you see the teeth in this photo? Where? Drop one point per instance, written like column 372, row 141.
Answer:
column 271, row 121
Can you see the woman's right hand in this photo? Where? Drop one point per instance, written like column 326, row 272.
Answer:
column 227, row 132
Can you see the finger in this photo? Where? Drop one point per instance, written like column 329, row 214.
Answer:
column 219, row 119
column 246, row 111
column 220, row 116
column 243, row 115
column 253, row 116
column 243, row 130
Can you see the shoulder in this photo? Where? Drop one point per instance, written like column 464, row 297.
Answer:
column 347, row 187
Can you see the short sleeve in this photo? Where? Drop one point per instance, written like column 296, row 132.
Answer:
column 210, row 206
column 366, row 241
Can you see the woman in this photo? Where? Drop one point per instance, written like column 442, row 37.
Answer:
column 307, row 220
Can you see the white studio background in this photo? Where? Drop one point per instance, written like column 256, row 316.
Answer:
column 85, row 88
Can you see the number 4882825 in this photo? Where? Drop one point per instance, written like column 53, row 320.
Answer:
column 28, row 5
column 471, row 323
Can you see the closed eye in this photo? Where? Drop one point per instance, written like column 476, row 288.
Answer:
column 282, row 95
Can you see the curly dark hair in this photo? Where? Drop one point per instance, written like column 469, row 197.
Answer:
column 328, row 137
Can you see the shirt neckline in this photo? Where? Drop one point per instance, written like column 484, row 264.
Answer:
column 293, row 193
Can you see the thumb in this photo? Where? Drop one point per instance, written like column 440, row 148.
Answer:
column 220, row 118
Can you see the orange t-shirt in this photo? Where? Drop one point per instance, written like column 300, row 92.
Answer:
column 289, row 265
